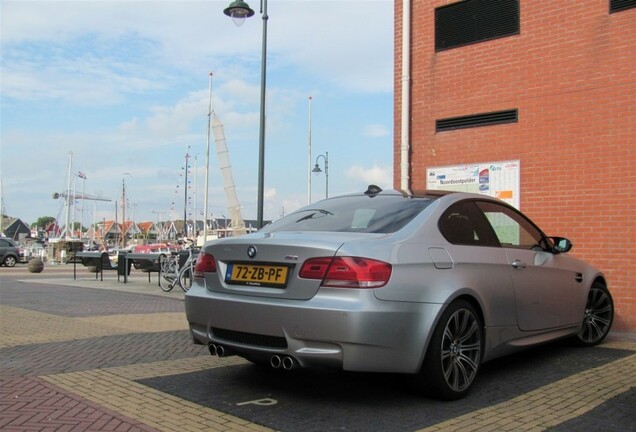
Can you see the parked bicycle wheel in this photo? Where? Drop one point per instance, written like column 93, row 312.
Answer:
column 185, row 278
column 167, row 282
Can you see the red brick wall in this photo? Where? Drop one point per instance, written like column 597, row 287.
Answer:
column 571, row 73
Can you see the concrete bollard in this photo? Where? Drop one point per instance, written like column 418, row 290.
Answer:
column 35, row 265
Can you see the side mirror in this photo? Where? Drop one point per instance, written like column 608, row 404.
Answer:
column 561, row 244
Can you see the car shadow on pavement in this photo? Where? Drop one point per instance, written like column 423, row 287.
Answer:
column 329, row 400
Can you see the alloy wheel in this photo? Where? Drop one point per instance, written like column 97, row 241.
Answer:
column 599, row 313
column 461, row 350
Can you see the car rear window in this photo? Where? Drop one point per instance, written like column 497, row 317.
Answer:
column 377, row 214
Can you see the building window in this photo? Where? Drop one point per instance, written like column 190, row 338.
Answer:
column 620, row 5
column 472, row 21
column 477, row 120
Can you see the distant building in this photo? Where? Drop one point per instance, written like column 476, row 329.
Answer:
column 148, row 230
column 14, row 228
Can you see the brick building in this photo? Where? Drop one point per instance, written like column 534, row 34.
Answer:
column 550, row 84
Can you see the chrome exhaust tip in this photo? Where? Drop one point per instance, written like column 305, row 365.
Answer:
column 220, row 351
column 275, row 361
column 212, row 349
column 288, row 363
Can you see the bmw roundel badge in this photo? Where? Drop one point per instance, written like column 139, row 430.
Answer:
column 251, row 251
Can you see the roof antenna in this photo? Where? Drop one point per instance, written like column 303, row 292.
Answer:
column 373, row 190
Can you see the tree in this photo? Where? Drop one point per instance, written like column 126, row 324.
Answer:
column 43, row 222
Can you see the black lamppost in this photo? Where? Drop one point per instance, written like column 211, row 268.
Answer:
column 317, row 170
column 238, row 10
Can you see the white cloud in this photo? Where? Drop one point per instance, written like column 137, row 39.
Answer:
column 378, row 175
column 123, row 84
column 355, row 53
column 376, row 131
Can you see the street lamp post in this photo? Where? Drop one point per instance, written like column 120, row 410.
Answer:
column 238, row 10
column 317, row 170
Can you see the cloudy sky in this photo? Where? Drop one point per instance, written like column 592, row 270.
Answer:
column 123, row 86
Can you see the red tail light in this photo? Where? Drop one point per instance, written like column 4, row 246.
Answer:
column 205, row 264
column 347, row 272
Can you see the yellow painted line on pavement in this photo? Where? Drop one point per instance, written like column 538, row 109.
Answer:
column 552, row 404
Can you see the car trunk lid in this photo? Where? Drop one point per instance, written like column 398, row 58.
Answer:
column 267, row 264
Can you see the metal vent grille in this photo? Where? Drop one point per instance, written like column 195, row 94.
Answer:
column 477, row 120
column 250, row 338
column 472, row 21
column 619, row 5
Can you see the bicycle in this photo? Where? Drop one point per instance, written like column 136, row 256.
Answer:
column 171, row 274
column 187, row 270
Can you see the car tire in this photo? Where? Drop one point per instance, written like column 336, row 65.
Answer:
column 9, row 261
column 454, row 354
column 598, row 316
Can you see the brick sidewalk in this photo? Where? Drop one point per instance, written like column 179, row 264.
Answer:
column 68, row 362
column 74, row 359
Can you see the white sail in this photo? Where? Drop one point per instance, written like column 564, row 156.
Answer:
column 237, row 225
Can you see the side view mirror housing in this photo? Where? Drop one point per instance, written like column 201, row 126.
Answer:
column 561, row 244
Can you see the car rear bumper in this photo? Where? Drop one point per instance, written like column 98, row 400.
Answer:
column 346, row 329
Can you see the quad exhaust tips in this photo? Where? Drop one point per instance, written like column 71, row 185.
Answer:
column 285, row 362
column 276, row 361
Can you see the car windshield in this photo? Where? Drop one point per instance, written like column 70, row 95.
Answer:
column 377, row 214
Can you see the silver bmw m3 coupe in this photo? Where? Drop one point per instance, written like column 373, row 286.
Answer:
column 431, row 285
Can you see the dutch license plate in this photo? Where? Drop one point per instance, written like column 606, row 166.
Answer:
column 257, row 275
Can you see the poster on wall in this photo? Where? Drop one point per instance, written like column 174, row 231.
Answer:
column 495, row 179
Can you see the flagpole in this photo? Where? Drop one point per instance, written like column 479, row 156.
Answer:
column 207, row 165
column 309, row 161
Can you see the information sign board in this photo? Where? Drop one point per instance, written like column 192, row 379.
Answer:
column 496, row 179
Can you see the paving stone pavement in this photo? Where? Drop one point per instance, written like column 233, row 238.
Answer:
column 86, row 355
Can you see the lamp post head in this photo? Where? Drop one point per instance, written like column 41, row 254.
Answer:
column 238, row 10
column 316, row 169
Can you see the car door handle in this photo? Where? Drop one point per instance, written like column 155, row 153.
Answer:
column 518, row 264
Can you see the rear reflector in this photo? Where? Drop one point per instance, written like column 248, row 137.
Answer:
column 347, row 272
column 205, row 264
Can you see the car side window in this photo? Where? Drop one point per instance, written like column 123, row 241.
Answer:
column 463, row 224
column 512, row 229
